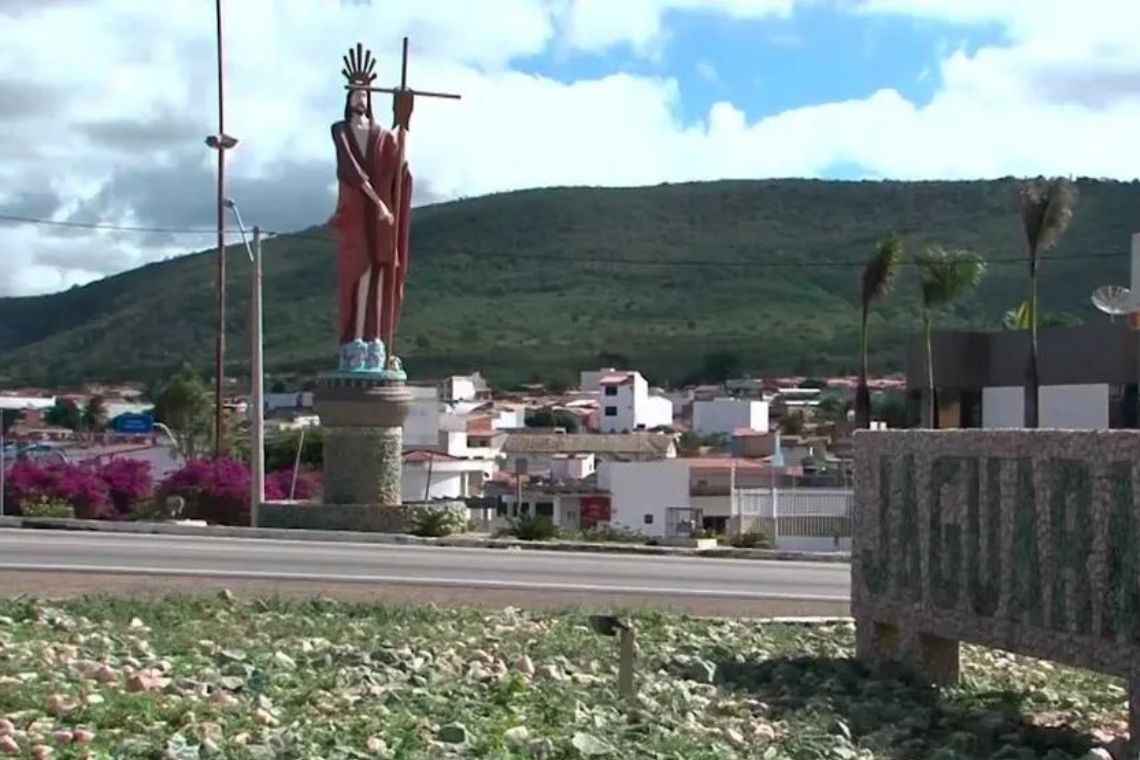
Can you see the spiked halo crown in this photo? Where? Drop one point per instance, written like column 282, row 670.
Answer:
column 359, row 67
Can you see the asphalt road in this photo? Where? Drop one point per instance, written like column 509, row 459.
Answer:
column 379, row 565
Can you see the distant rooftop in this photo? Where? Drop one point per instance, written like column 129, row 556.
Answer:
column 584, row 443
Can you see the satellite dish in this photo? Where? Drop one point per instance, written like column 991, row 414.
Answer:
column 1113, row 300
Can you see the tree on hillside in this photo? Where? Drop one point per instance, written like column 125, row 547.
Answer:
column 793, row 423
column 1046, row 207
column 94, row 417
column 182, row 402
column 943, row 276
column 551, row 418
column 877, row 278
column 65, row 413
column 719, row 366
column 1018, row 319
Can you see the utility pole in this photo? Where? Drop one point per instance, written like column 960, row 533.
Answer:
column 3, row 463
column 220, row 142
column 257, row 382
column 256, row 373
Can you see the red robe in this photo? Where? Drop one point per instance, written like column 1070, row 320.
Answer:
column 363, row 240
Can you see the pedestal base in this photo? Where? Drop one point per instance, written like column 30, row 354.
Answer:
column 363, row 417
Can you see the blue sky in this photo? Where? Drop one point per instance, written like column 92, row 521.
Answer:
column 766, row 66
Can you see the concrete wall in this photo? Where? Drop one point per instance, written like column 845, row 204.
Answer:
column 1064, row 407
column 1023, row 540
column 640, row 492
column 1098, row 352
column 725, row 415
column 658, row 413
column 444, row 485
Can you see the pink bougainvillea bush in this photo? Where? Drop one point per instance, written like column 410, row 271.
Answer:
column 277, row 485
column 129, row 481
column 216, row 491
column 219, row 491
column 81, row 486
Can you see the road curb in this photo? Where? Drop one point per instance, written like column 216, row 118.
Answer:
column 289, row 534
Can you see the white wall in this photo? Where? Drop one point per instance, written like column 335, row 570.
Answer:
column 658, row 413
column 622, row 403
column 461, row 387
column 641, row 489
column 508, row 419
column 725, row 415
column 572, row 467
column 1075, row 407
column 421, row 427
column 444, row 485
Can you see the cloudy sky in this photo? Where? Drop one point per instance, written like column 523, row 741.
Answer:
column 104, row 104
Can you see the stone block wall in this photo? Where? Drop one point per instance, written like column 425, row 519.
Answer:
column 1024, row 540
column 362, row 465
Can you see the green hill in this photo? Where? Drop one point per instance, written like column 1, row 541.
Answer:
column 541, row 283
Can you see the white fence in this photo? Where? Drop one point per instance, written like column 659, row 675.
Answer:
column 807, row 519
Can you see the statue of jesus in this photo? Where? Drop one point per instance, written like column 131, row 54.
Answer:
column 371, row 222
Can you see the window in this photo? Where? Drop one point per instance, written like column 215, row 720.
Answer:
column 611, row 411
column 544, row 509
column 611, row 390
column 649, row 519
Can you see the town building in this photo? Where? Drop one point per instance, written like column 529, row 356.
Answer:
column 724, row 416
column 626, row 401
column 538, row 453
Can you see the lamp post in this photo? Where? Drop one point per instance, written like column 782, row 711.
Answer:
column 256, row 373
column 220, row 142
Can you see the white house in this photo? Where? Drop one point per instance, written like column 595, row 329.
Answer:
column 724, row 416
column 626, row 402
column 23, row 403
column 450, row 477
column 642, row 493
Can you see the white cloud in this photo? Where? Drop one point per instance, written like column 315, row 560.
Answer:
column 707, row 71
column 111, row 100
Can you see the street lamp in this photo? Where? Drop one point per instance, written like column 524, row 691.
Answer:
column 220, row 142
column 257, row 378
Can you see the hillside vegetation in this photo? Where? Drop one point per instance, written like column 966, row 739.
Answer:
column 540, row 283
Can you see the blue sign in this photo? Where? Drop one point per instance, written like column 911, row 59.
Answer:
column 130, row 422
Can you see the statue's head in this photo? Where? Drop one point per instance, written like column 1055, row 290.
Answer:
column 360, row 70
column 358, row 103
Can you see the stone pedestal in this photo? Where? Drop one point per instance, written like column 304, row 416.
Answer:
column 363, row 417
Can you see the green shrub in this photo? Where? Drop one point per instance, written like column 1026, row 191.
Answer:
column 606, row 533
column 751, row 540
column 528, row 528
column 45, row 506
column 158, row 508
column 437, row 520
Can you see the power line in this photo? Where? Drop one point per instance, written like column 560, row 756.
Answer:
column 809, row 264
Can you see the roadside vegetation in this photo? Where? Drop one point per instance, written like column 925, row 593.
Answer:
column 226, row 676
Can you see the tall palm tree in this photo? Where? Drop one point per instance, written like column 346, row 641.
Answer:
column 1046, row 207
column 943, row 277
column 878, row 275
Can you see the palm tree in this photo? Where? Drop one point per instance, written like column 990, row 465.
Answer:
column 943, row 277
column 1046, row 207
column 878, row 275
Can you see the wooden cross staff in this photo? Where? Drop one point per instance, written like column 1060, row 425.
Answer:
column 403, row 117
